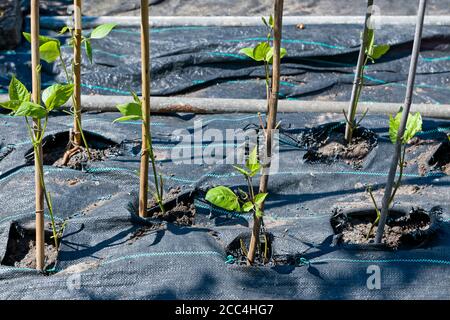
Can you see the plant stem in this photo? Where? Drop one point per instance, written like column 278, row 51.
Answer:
column 357, row 84
column 401, row 166
column 158, row 187
column 377, row 211
column 271, row 123
column 407, row 106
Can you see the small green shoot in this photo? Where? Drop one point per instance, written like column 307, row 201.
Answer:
column 50, row 51
column 373, row 52
column 243, row 202
column 133, row 111
column 263, row 52
column 413, row 126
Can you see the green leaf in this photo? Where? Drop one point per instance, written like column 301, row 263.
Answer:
column 413, row 126
column 42, row 39
column 130, row 109
column 248, row 52
column 65, row 29
column 271, row 21
column 379, row 50
column 245, row 173
column 259, row 198
column 224, row 198
column 269, row 56
column 102, row 30
column 49, row 51
column 127, row 118
column 394, row 125
column 12, row 105
column 260, row 51
column 56, row 95
column 265, row 21
column 88, row 49
column 30, row 109
column 252, row 162
column 247, row 207
column 18, row 91
column 259, row 213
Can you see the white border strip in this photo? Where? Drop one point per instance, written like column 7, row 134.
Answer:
column 236, row 21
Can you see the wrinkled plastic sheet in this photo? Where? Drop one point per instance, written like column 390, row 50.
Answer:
column 205, row 62
column 97, row 259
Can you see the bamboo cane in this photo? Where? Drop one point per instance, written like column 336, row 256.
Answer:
column 358, row 75
column 401, row 130
column 38, row 169
column 271, row 122
column 77, row 139
column 145, row 65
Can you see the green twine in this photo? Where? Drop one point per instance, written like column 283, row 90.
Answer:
column 230, row 260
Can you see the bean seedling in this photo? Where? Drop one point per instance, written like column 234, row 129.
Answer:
column 244, row 202
column 369, row 52
column 263, row 52
column 413, row 126
column 133, row 111
column 20, row 105
column 50, row 51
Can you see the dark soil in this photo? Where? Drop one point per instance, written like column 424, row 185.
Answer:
column 440, row 160
column 403, row 230
column 142, row 232
column 235, row 249
column 21, row 248
column 326, row 144
column 180, row 211
column 55, row 146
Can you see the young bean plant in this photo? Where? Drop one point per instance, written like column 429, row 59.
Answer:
column 50, row 51
column 20, row 105
column 244, row 202
column 270, row 55
column 263, row 52
column 133, row 111
column 413, row 126
column 373, row 52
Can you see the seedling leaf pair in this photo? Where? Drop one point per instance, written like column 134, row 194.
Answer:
column 99, row 32
column 50, row 48
column 252, row 164
column 223, row 197
column 262, row 52
column 53, row 97
column 413, row 126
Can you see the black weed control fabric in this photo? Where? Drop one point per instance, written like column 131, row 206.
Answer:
column 100, row 258
column 205, row 62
